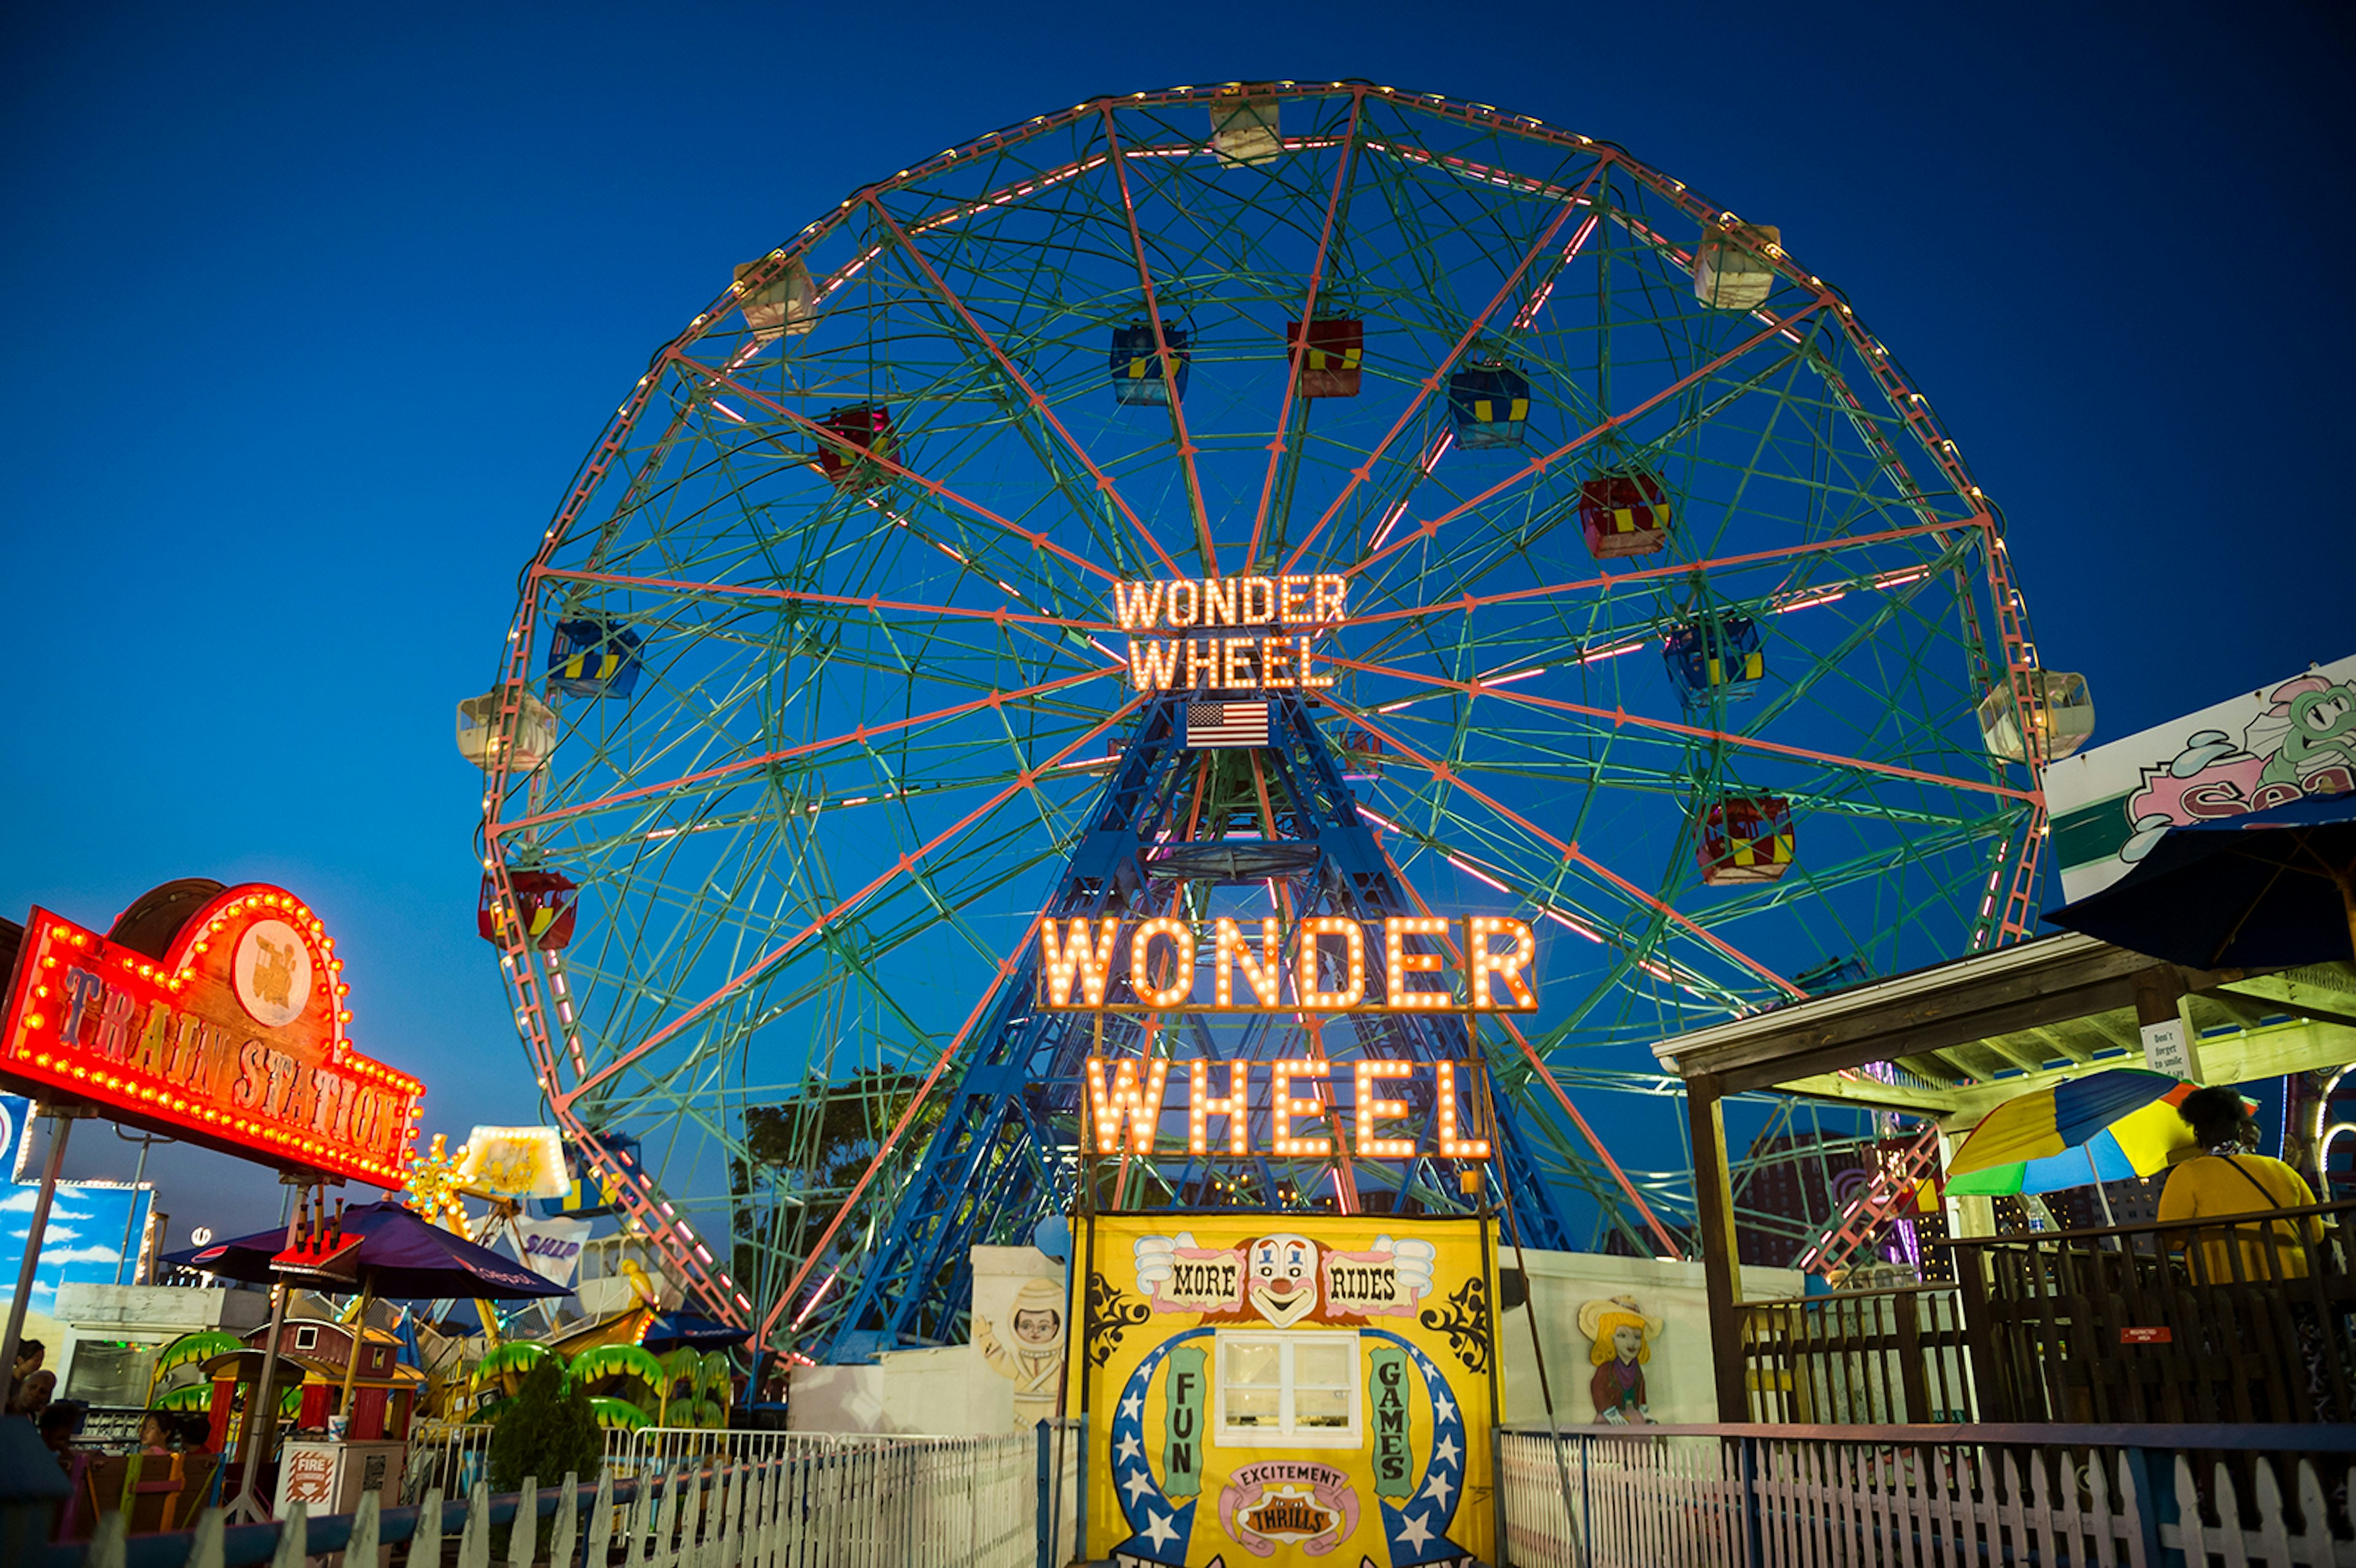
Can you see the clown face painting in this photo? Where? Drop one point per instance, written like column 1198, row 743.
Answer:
column 1282, row 1278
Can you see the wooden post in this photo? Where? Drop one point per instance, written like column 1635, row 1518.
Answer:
column 361, row 1551
column 523, row 1534
column 1722, row 1269
column 2159, row 1001
column 294, row 1537
column 561, row 1541
column 425, row 1543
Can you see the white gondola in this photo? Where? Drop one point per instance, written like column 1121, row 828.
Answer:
column 2065, row 717
column 1731, row 266
column 1243, row 130
column 480, row 741
column 786, row 304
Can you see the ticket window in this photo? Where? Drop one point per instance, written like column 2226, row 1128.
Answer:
column 1294, row 1389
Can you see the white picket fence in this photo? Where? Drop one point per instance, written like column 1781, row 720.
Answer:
column 1673, row 1501
column 955, row 1502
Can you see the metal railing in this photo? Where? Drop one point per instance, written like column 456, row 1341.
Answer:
column 1892, row 1355
column 814, row 1502
column 1988, row 1496
column 2246, row 1319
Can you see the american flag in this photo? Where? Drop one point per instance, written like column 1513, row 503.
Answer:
column 1211, row 724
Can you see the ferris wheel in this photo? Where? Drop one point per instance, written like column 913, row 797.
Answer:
column 1674, row 624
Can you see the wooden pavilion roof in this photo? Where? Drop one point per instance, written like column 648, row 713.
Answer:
column 1960, row 1037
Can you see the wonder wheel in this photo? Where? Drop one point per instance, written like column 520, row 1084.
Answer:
column 1675, row 626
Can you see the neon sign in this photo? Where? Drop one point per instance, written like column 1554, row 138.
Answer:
column 233, row 1039
column 1128, row 1096
column 1080, row 963
column 1290, row 609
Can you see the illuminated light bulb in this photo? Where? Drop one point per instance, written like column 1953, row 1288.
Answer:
column 1399, row 965
column 1265, row 975
column 1284, row 1105
column 1124, row 1097
column 34, row 1020
column 1180, row 937
column 1234, row 1104
column 1305, row 989
column 1450, row 1145
column 1486, row 965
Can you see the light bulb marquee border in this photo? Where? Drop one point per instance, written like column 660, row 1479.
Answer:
column 1108, row 965
column 166, row 1044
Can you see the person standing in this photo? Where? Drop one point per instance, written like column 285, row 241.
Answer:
column 29, row 1386
column 2228, row 1181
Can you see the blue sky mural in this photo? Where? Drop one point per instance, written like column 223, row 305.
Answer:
column 85, row 1238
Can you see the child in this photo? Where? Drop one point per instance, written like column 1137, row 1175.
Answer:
column 158, row 1433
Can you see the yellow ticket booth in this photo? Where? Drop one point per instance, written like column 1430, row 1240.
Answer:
column 1286, row 1389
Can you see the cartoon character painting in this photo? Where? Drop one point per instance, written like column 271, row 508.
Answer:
column 1285, row 1278
column 1032, row 1351
column 273, row 972
column 1622, row 1342
column 2302, row 743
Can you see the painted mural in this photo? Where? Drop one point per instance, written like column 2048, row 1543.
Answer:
column 1286, row 1389
column 2265, row 748
column 1620, row 1336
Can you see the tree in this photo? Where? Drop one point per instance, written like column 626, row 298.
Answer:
column 547, row 1431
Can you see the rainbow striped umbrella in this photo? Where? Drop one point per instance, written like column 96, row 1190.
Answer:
column 2115, row 1125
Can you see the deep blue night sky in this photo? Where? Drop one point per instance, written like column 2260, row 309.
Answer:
column 312, row 312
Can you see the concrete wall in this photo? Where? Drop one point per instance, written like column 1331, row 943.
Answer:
column 835, row 1399
column 1677, row 1379
column 152, row 1316
column 954, row 1390
column 946, row 1392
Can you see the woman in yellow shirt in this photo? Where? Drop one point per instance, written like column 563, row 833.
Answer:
column 2227, row 1180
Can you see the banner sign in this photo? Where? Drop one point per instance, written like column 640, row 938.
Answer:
column 1325, row 1394
column 514, row 1162
column 552, row 1247
column 232, row 1039
column 2268, row 748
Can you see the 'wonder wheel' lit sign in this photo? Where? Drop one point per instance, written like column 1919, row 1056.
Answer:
column 1228, row 634
column 1080, row 961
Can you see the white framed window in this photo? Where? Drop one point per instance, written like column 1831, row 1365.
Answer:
column 306, row 1338
column 1288, row 1389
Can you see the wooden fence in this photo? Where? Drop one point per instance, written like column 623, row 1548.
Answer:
column 1896, row 1355
column 2247, row 1321
column 1896, row 1496
column 954, row 1502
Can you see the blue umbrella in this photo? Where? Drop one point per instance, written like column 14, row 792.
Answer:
column 2262, row 890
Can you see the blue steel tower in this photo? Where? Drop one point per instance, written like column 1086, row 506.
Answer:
column 1170, row 824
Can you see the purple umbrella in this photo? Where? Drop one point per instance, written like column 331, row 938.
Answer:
column 402, row 1255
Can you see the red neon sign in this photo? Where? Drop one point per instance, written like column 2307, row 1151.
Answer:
column 234, row 1039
